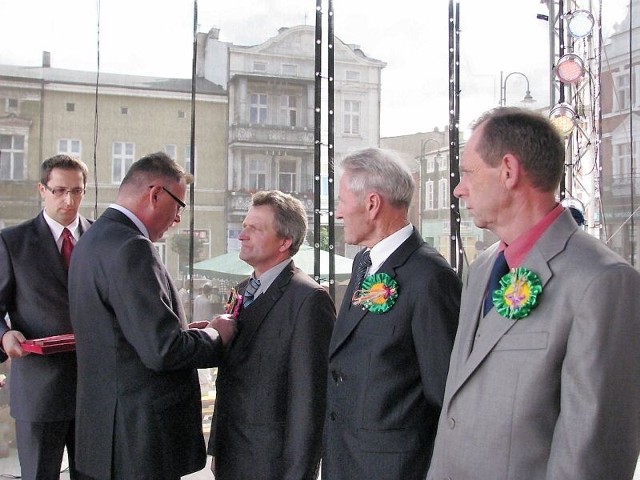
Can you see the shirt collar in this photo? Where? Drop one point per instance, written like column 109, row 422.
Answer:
column 267, row 278
column 385, row 247
column 56, row 228
column 131, row 216
column 516, row 252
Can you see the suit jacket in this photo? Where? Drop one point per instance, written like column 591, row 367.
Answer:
column 387, row 371
column 556, row 394
column 33, row 291
column 138, row 405
column 270, row 389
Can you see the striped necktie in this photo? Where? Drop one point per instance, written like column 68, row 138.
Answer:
column 363, row 266
column 250, row 291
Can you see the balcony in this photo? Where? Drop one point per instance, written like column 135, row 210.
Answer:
column 271, row 135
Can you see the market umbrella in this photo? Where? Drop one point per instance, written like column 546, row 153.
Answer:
column 228, row 266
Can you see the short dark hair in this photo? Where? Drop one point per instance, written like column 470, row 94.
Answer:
column 289, row 214
column 527, row 135
column 63, row 162
column 154, row 166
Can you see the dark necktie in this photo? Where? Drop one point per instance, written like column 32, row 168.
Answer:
column 500, row 268
column 67, row 247
column 363, row 266
column 250, row 291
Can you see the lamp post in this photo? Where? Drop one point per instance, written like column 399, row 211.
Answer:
column 503, row 89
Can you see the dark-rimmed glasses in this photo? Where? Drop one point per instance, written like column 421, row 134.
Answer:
column 60, row 192
column 181, row 204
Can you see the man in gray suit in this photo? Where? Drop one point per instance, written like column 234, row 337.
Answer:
column 546, row 383
column 33, row 291
column 270, row 389
column 389, row 351
column 139, row 412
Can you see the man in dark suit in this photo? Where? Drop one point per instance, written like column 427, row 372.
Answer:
column 270, row 390
column 33, row 291
column 390, row 348
column 544, row 381
column 139, row 413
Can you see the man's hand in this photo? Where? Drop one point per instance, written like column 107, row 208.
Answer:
column 226, row 327
column 11, row 341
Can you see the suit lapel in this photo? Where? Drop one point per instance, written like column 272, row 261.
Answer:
column 350, row 316
column 251, row 318
column 471, row 354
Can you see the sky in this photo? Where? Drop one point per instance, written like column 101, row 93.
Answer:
column 151, row 37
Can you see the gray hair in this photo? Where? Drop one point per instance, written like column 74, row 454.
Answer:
column 381, row 171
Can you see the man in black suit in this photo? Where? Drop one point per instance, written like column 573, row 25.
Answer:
column 390, row 348
column 270, row 389
column 139, row 412
column 33, row 291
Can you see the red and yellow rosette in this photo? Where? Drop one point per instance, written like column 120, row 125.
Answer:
column 519, row 293
column 378, row 293
column 232, row 307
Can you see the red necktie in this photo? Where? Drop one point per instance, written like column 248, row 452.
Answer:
column 67, row 247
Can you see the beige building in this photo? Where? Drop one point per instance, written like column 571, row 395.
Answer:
column 45, row 111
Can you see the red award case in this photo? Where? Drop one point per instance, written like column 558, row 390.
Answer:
column 49, row 345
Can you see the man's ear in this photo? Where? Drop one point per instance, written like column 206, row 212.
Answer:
column 511, row 172
column 372, row 203
column 152, row 195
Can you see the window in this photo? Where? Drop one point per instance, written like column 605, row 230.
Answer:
column 289, row 70
column 260, row 67
column 124, row 110
column 428, row 195
column 351, row 117
column 171, row 151
column 353, row 76
column 187, row 157
column 69, row 147
column 622, row 94
column 287, row 176
column 257, row 174
column 12, row 105
column 12, row 157
column 289, row 110
column 443, row 193
column 443, row 165
column 121, row 160
column 430, row 164
column 621, row 163
column 181, row 114
column 258, row 112
column 71, row 107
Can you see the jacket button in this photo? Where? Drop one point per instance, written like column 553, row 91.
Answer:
column 333, row 416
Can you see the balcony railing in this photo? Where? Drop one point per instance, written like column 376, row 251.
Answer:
column 271, row 135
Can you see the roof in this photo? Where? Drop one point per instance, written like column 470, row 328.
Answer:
column 79, row 77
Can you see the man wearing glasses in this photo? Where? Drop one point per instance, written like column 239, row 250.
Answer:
column 33, row 292
column 139, row 413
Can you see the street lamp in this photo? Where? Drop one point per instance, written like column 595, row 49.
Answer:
column 503, row 89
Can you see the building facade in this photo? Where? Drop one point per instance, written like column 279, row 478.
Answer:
column 271, row 89
column 45, row 111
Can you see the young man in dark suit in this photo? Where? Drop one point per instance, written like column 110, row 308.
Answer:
column 139, row 412
column 270, row 390
column 33, row 291
column 390, row 348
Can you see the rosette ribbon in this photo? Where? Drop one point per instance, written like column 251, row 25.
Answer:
column 377, row 294
column 519, row 293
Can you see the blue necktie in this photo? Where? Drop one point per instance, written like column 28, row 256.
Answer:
column 361, row 270
column 500, row 268
column 250, row 291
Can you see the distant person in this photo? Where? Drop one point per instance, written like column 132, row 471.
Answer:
column 33, row 291
column 270, row 390
column 139, row 412
column 544, row 382
column 202, row 304
column 389, row 352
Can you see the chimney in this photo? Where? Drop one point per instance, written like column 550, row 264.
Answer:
column 46, row 59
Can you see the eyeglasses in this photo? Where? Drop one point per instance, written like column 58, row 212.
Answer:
column 60, row 192
column 178, row 201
